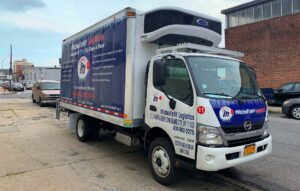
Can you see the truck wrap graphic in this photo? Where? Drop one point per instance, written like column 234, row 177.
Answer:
column 93, row 68
column 232, row 113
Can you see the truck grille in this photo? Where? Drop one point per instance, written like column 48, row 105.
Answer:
column 238, row 129
column 234, row 143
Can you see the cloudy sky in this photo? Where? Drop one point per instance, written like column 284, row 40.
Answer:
column 36, row 28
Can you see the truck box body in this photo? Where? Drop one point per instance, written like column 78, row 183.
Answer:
column 103, row 66
column 99, row 67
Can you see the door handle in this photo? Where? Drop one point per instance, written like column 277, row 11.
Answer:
column 153, row 108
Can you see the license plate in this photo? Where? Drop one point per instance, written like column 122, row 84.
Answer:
column 249, row 149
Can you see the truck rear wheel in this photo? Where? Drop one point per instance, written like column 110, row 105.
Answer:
column 161, row 159
column 84, row 129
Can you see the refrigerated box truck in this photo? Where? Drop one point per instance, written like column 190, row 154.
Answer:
column 157, row 79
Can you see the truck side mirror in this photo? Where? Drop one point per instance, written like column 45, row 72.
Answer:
column 280, row 90
column 159, row 73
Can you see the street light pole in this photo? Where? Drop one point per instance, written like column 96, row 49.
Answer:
column 10, row 69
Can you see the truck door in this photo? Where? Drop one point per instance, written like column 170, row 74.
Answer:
column 171, row 103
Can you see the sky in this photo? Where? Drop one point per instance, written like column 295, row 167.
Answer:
column 36, row 28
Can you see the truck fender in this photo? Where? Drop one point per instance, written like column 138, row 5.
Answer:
column 153, row 133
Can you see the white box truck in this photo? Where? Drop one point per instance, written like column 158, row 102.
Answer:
column 157, row 79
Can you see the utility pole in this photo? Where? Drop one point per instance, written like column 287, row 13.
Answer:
column 10, row 69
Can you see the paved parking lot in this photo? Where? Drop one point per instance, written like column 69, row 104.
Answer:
column 39, row 152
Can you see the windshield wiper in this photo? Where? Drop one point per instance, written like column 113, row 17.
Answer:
column 250, row 93
column 223, row 94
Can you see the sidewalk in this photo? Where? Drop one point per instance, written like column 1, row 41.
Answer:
column 275, row 109
column 4, row 91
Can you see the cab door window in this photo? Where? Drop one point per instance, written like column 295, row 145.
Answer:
column 178, row 84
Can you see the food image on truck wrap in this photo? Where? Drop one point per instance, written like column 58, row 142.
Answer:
column 93, row 68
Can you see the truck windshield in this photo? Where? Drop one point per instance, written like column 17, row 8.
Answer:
column 50, row 86
column 222, row 78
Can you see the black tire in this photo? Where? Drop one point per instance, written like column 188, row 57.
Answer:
column 33, row 100
column 40, row 103
column 295, row 112
column 86, row 129
column 162, row 145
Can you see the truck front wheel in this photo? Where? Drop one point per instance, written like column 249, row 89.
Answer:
column 161, row 159
column 83, row 131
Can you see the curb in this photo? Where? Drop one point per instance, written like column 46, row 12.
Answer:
column 275, row 109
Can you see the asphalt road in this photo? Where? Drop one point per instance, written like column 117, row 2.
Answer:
column 278, row 171
column 22, row 95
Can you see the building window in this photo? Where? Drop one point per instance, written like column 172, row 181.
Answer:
column 233, row 20
column 267, row 11
column 276, row 8
column 286, row 7
column 242, row 19
column 296, row 6
column 258, row 13
column 249, row 15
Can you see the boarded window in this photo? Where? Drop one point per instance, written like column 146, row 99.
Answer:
column 242, row 18
column 249, row 15
column 286, row 7
column 267, row 11
column 276, row 8
column 258, row 13
column 296, row 5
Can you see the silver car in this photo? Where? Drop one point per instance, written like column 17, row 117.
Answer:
column 291, row 108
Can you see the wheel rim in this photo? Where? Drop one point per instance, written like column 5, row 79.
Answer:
column 161, row 161
column 296, row 112
column 80, row 128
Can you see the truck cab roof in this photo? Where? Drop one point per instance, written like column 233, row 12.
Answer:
column 184, row 54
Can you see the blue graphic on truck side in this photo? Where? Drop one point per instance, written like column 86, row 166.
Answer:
column 233, row 113
column 93, row 68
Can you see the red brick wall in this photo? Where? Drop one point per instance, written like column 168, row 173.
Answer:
column 271, row 47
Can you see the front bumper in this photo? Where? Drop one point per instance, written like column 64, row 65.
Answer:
column 48, row 100
column 218, row 160
column 285, row 109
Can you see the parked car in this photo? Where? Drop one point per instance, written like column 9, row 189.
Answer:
column 268, row 93
column 285, row 92
column 16, row 86
column 45, row 92
column 29, row 85
column 291, row 108
column 5, row 85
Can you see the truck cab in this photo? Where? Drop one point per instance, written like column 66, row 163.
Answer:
column 211, row 108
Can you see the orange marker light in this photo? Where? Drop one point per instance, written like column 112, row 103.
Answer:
column 131, row 14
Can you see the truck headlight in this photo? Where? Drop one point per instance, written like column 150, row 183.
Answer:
column 266, row 129
column 209, row 135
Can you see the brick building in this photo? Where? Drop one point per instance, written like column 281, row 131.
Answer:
column 268, row 32
column 18, row 68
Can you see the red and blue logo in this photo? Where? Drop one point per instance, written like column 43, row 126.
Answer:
column 83, row 67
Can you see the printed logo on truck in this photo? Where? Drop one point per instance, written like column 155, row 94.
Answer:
column 202, row 22
column 226, row 113
column 83, row 67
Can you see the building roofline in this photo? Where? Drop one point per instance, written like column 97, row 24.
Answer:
column 243, row 6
